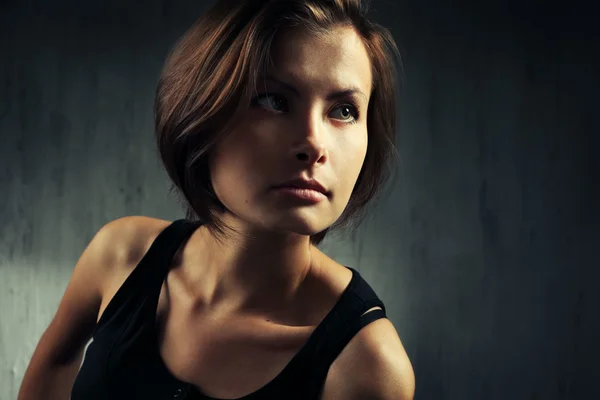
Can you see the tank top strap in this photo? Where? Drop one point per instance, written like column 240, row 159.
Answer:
column 157, row 260
column 351, row 316
column 140, row 291
column 344, row 321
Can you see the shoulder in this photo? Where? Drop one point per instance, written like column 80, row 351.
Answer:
column 373, row 365
column 129, row 237
column 121, row 244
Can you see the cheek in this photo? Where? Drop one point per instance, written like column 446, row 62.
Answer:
column 354, row 153
column 348, row 163
column 364, row 146
column 238, row 162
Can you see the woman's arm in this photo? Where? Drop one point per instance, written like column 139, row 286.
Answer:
column 57, row 357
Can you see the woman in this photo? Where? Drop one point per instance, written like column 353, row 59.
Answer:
column 274, row 120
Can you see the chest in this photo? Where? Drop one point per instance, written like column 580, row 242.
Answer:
column 225, row 357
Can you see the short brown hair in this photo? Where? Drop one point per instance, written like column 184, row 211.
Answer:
column 210, row 75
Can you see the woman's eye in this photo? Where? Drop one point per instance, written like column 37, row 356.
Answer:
column 271, row 101
column 347, row 113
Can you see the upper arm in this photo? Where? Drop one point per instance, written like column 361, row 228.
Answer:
column 374, row 365
column 75, row 318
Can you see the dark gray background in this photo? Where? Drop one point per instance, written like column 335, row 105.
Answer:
column 484, row 248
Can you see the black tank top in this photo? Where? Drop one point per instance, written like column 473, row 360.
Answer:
column 123, row 359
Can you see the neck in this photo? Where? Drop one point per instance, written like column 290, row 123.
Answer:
column 254, row 270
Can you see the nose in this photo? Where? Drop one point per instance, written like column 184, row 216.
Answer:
column 309, row 146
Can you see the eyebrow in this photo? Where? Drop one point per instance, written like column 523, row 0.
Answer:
column 338, row 94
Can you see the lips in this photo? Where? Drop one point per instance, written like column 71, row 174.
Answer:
column 312, row 184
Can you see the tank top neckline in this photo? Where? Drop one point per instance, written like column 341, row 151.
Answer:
column 298, row 359
column 301, row 357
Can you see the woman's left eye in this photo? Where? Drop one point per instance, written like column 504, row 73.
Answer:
column 348, row 113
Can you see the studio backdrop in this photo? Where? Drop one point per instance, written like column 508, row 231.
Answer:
column 484, row 246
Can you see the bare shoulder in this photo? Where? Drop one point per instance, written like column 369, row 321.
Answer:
column 125, row 240
column 129, row 237
column 374, row 365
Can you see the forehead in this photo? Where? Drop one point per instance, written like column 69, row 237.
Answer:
column 337, row 57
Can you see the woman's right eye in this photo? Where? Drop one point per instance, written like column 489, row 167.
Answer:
column 271, row 101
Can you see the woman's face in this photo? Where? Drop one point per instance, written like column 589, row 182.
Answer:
column 308, row 120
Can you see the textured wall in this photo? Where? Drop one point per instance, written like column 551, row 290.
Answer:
column 484, row 249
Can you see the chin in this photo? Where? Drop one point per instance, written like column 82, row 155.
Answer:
column 300, row 221
column 302, row 225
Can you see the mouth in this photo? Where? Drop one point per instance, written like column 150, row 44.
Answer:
column 306, row 184
column 303, row 195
